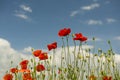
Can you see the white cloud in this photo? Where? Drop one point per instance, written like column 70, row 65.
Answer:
column 94, row 22
column 26, row 8
column 8, row 54
column 27, row 49
column 90, row 7
column 71, row 49
column 100, row 22
column 21, row 13
column 110, row 20
column 117, row 38
column 74, row 13
column 117, row 59
column 84, row 8
column 22, row 16
column 4, row 43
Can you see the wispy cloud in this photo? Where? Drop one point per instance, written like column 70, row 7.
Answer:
column 94, row 22
column 22, row 16
column 74, row 13
column 26, row 8
column 23, row 12
column 90, row 7
column 84, row 8
column 110, row 20
column 117, row 38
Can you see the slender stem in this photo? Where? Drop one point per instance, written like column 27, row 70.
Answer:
column 61, row 57
column 68, row 54
column 81, row 62
column 80, row 46
column 89, row 65
column 53, row 64
column 64, row 48
column 94, row 53
column 16, row 77
column 34, row 62
column 74, row 54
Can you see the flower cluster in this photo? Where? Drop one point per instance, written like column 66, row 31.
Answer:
column 79, row 64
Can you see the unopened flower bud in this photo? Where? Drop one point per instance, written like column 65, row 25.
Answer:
column 98, row 60
column 108, row 59
column 95, row 55
column 32, row 49
column 99, row 50
column 108, row 41
column 73, row 35
column 79, row 56
column 102, row 55
column 93, row 38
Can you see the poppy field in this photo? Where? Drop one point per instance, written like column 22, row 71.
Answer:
column 80, row 64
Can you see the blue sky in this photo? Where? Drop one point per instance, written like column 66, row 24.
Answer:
column 36, row 23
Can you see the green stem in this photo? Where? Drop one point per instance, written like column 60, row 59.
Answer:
column 94, row 54
column 68, row 54
column 89, row 65
column 74, row 54
column 53, row 64
column 16, row 77
column 34, row 68
column 64, row 48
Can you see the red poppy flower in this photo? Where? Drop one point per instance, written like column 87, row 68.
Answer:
column 80, row 37
column 37, row 53
column 107, row 78
column 8, row 77
column 43, row 56
column 40, row 67
column 27, row 76
column 52, row 46
column 23, row 64
column 64, row 32
column 14, row 70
